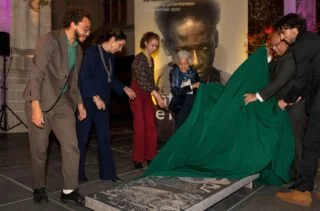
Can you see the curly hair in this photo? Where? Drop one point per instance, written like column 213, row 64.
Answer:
column 109, row 33
column 147, row 37
column 290, row 21
column 75, row 15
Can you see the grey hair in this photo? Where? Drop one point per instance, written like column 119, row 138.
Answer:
column 185, row 55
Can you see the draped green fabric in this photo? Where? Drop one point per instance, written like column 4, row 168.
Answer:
column 225, row 138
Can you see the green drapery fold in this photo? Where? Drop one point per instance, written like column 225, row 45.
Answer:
column 225, row 138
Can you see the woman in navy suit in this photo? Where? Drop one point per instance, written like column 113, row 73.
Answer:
column 96, row 80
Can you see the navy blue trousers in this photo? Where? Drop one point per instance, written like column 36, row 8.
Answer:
column 100, row 119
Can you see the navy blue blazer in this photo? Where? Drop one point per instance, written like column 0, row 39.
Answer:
column 93, row 79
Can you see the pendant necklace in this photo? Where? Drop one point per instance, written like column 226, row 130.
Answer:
column 109, row 71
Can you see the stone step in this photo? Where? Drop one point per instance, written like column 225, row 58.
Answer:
column 166, row 193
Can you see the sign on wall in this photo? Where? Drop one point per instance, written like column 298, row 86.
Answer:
column 213, row 31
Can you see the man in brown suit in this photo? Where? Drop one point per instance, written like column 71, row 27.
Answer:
column 52, row 96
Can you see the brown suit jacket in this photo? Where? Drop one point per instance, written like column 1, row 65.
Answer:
column 50, row 71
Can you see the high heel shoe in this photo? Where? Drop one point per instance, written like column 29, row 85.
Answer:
column 117, row 180
column 137, row 165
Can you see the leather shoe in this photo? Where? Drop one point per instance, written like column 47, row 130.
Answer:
column 296, row 197
column 40, row 195
column 72, row 198
column 138, row 165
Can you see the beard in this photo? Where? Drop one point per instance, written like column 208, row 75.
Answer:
column 78, row 36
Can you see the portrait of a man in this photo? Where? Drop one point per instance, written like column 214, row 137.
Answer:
column 191, row 27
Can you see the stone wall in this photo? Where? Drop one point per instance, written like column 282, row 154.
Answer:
column 28, row 21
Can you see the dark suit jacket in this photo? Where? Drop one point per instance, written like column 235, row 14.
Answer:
column 93, row 78
column 282, row 72
column 50, row 71
column 305, row 50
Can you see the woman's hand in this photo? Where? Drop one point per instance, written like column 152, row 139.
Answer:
column 160, row 101
column 196, row 85
column 131, row 94
column 99, row 102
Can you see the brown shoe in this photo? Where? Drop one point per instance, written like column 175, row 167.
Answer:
column 296, row 197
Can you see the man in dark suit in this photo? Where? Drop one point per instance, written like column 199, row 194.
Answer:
column 305, row 46
column 282, row 71
column 52, row 96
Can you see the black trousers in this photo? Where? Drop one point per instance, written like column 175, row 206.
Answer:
column 298, row 117
column 183, row 114
column 100, row 119
column 310, row 158
column 311, row 147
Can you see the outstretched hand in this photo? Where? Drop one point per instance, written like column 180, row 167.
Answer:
column 249, row 98
column 131, row 94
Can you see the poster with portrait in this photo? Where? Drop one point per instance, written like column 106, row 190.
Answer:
column 213, row 31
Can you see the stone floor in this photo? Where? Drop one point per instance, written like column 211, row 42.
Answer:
column 15, row 177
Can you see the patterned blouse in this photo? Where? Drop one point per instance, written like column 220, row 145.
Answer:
column 143, row 73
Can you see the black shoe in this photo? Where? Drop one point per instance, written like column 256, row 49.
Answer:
column 40, row 195
column 138, row 165
column 117, row 180
column 72, row 198
column 83, row 180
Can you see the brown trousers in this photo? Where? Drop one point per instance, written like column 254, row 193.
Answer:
column 61, row 120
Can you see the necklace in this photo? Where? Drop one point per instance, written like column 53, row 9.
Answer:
column 109, row 71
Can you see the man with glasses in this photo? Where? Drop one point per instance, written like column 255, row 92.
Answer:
column 305, row 46
column 282, row 71
column 52, row 96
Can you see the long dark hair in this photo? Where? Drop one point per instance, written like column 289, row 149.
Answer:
column 109, row 33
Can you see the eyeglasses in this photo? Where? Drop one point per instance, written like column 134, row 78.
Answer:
column 85, row 29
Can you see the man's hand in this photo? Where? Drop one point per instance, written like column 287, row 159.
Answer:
column 131, row 94
column 37, row 115
column 249, row 97
column 282, row 104
column 99, row 102
column 82, row 112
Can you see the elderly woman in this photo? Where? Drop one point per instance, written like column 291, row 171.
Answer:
column 184, row 80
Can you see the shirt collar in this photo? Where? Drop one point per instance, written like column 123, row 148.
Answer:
column 74, row 44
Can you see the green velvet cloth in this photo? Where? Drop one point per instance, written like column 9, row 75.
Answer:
column 224, row 138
